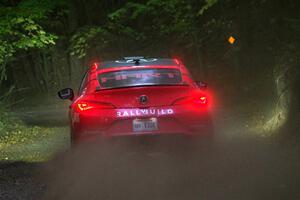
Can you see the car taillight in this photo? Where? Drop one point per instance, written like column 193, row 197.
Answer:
column 85, row 105
column 201, row 100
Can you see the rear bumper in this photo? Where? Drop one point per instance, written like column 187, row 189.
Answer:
column 106, row 123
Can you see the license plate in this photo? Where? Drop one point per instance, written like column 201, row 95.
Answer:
column 145, row 125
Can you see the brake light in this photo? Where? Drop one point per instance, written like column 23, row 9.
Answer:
column 176, row 61
column 94, row 66
column 202, row 100
column 84, row 105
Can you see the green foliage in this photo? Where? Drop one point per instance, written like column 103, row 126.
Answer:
column 139, row 24
column 209, row 3
column 20, row 29
column 195, row 30
column 19, row 142
column 135, row 10
column 153, row 18
column 82, row 39
column 32, row 144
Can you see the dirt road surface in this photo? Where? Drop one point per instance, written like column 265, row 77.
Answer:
column 238, row 166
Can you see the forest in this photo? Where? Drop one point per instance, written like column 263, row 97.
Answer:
column 247, row 51
column 48, row 45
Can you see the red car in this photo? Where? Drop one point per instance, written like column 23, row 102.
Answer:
column 138, row 96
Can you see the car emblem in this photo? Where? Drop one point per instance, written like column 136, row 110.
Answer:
column 143, row 99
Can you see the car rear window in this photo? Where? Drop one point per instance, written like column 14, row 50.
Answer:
column 140, row 77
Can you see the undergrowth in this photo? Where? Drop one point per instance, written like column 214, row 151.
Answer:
column 20, row 142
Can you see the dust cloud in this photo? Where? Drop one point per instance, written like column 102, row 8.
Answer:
column 230, row 168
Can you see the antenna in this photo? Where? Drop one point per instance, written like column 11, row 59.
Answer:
column 136, row 61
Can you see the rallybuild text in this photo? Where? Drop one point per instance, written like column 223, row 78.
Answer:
column 143, row 112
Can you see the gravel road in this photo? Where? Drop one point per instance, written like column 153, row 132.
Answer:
column 238, row 166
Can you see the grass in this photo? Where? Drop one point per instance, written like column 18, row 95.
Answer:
column 19, row 142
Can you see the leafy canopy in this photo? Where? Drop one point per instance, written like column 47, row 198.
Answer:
column 20, row 28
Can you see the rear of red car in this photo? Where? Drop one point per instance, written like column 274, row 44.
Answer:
column 139, row 99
